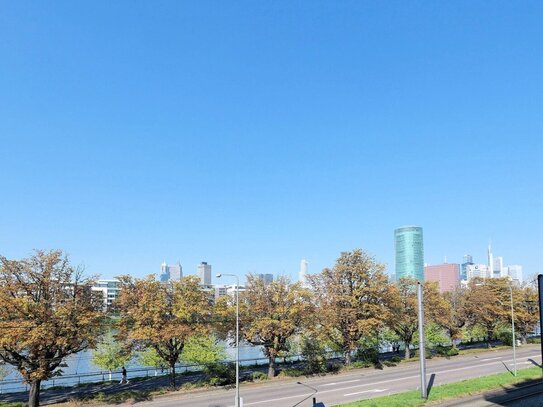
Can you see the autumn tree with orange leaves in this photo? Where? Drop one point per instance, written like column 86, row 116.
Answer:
column 162, row 316
column 351, row 299
column 47, row 313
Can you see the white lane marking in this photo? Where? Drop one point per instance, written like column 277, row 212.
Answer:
column 279, row 399
column 373, row 383
column 346, row 381
column 484, row 360
column 366, row 391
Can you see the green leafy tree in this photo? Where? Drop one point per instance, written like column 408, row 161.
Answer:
column 203, row 350
column 110, row 355
column 351, row 300
column 150, row 357
column 314, row 353
column 51, row 313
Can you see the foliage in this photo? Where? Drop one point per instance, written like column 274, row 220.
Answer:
column 258, row 376
column 292, row 372
column 162, row 316
column 454, row 317
column 110, row 354
column 150, row 357
column 486, row 304
column 273, row 313
column 52, row 313
column 368, row 349
column 202, row 350
column 351, row 299
column 220, row 374
column 526, row 309
column 314, row 354
column 403, row 309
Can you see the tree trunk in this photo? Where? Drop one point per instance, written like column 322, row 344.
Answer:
column 523, row 339
column 347, row 356
column 407, row 350
column 34, row 394
column 271, row 367
column 172, row 375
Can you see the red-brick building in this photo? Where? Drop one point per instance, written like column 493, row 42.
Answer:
column 447, row 275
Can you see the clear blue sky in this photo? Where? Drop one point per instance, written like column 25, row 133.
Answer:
column 254, row 134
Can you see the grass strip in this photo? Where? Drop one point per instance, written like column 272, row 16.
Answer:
column 451, row 390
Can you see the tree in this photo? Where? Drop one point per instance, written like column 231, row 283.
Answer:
column 525, row 300
column 351, row 300
column 47, row 313
column 271, row 314
column 110, row 355
column 403, row 307
column 454, row 316
column 202, row 350
column 487, row 303
column 162, row 316
column 149, row 357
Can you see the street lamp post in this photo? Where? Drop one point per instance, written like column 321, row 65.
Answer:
column 513, row 329
column 237, row 400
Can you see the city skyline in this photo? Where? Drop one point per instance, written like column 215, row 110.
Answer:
column 253, row 135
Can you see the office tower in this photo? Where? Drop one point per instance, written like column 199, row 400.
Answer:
column 170, row 272
column 204, row 273
column 468, row 261
column 409, row 249
column 499, row 270
column 447, row 275
column 302, row 276
column 515, row 273
column 266, row 278
column 490, row 262
column 477, row 270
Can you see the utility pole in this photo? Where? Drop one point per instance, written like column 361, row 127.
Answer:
column 422, row 345
column 540, row 290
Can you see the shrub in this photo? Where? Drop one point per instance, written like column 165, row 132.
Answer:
column 255, row 376
column 446, row 351
column 396, row 359
column 359, row 364
column 292, row 372
column 368, row 351
column 333, row 367
column 314, row 354
column 220, row 374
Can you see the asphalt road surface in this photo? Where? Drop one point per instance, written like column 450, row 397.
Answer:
column 362, row 384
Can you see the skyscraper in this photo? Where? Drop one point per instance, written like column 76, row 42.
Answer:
column 204, row 273
column 409, row 250
column 266, row 278
column 303, row 272
column 171, row 272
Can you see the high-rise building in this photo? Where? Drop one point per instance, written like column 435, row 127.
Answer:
column 468, row 261
column 204, row 273
column 409, row 250
column 447, row 275
column 266, row 278
column 515, row 273
column 170, row 272
column 302, row 276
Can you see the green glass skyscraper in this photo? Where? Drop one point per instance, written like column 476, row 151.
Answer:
column 409, row 253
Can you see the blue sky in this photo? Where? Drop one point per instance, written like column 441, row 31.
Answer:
column 254, row 134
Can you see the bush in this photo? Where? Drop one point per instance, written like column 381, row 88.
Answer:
column 368, row 351
column 446, row 351
column 220, row 374
column 292, row 372
column 256, row 376
column 314, row 355
column 333, row 368
column 396, row 359
column 535, row 339
column 505, row 336
column 359, row 364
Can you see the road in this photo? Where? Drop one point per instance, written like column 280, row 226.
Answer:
column 365, row 383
